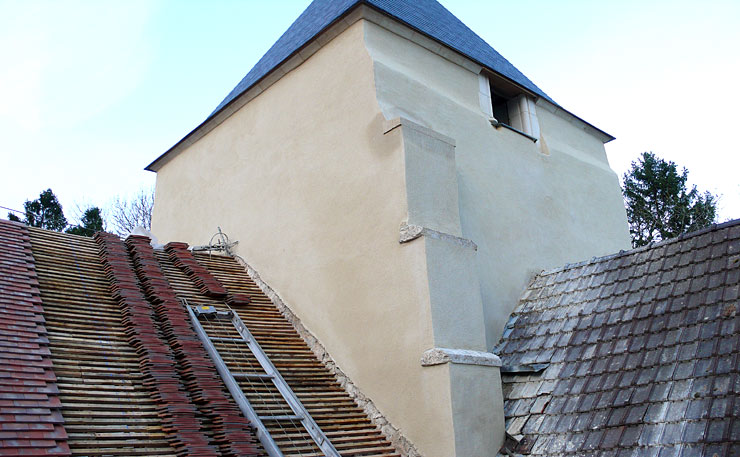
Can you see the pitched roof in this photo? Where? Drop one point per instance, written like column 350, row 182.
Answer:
column 426, row 16
column 30, row 418
column 639, row 351
column 124, row 373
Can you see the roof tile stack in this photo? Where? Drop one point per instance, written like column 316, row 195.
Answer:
column 156, row 359
column 197, row 369
column 204, row 280
column 643, row 353
column 30, row 418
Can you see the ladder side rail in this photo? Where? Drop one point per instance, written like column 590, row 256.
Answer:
column 236, row 392
column 295, row 404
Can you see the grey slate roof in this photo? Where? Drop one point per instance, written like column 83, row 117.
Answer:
column 427, row 16
column 641, row 349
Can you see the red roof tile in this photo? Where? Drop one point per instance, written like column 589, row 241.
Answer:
column 30, row 422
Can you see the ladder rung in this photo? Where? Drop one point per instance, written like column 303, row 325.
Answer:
column 281, row 418
column 219, row 338
column 253, row 375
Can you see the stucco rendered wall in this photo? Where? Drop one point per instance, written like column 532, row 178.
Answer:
column 316, row 188
column 528, row 206
column 304, row 177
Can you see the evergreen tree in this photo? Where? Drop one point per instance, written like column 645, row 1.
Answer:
column 45, row 212
column 659, row 203
column 91, row 222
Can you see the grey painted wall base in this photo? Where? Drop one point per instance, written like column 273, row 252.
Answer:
column 476, row 399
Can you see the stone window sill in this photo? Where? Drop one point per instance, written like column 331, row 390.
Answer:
column 498, row 125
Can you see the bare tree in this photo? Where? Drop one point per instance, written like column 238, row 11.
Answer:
column 127, row 214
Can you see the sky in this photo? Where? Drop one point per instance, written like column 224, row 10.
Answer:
column 92, row 91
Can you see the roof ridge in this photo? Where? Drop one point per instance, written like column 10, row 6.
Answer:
column 652, row 245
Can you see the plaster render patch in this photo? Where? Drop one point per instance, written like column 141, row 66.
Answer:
column 404, row 447
column 439, row 356
column 410, row 232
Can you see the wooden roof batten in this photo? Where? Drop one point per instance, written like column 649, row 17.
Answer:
column 108, row 401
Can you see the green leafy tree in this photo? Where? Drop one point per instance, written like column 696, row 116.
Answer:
column 45, row 212
column 90, row 222
column 659, row 203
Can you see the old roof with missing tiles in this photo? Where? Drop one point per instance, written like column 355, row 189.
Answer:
column 98, row 356
column 631, row 354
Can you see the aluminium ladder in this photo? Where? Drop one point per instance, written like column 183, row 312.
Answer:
column 270, row 372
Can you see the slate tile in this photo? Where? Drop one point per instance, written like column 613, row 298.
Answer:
column 729, row 326
column 698, row 409
column 606, row 399
column 565, row 424
column 634, row 360
column 610, row 381
column 630, row 435
column 716, row 450
column 647, row 375
column 660, row 391
column 716, row 431
column 539, row 405
column 571, row 406
column 611, row 437
column 652, row 357
column 533, row 424
column 651, row 434
column 721, row 385
column 616, row 362
column 574, row 441
column 691, row 333
column 720, row 407
column 583, row 422
column 599, row 366
column 675, row 321
column 555, row 405
column 694, row 431
column 625, row 329
column 696, row 450
column 523, row 407
column 727, row 345
column 684, row 370
column 724, row 365
column 676, row 410
column 681, row 389
column 617, row 416
column 656, row 412
column 541, row 445
column 593, row 439
column 700, row 387
column 546, row 387
column 672, row 432
column 641, row 394
column 688, row 351
column 577, row 386
column 599, row 419
column 734, row 433
column 670, row 451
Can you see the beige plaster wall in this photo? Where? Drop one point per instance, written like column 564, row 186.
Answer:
column 305, row 179
column 526, row 210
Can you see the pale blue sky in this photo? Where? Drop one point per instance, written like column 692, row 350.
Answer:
column 92, row 91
